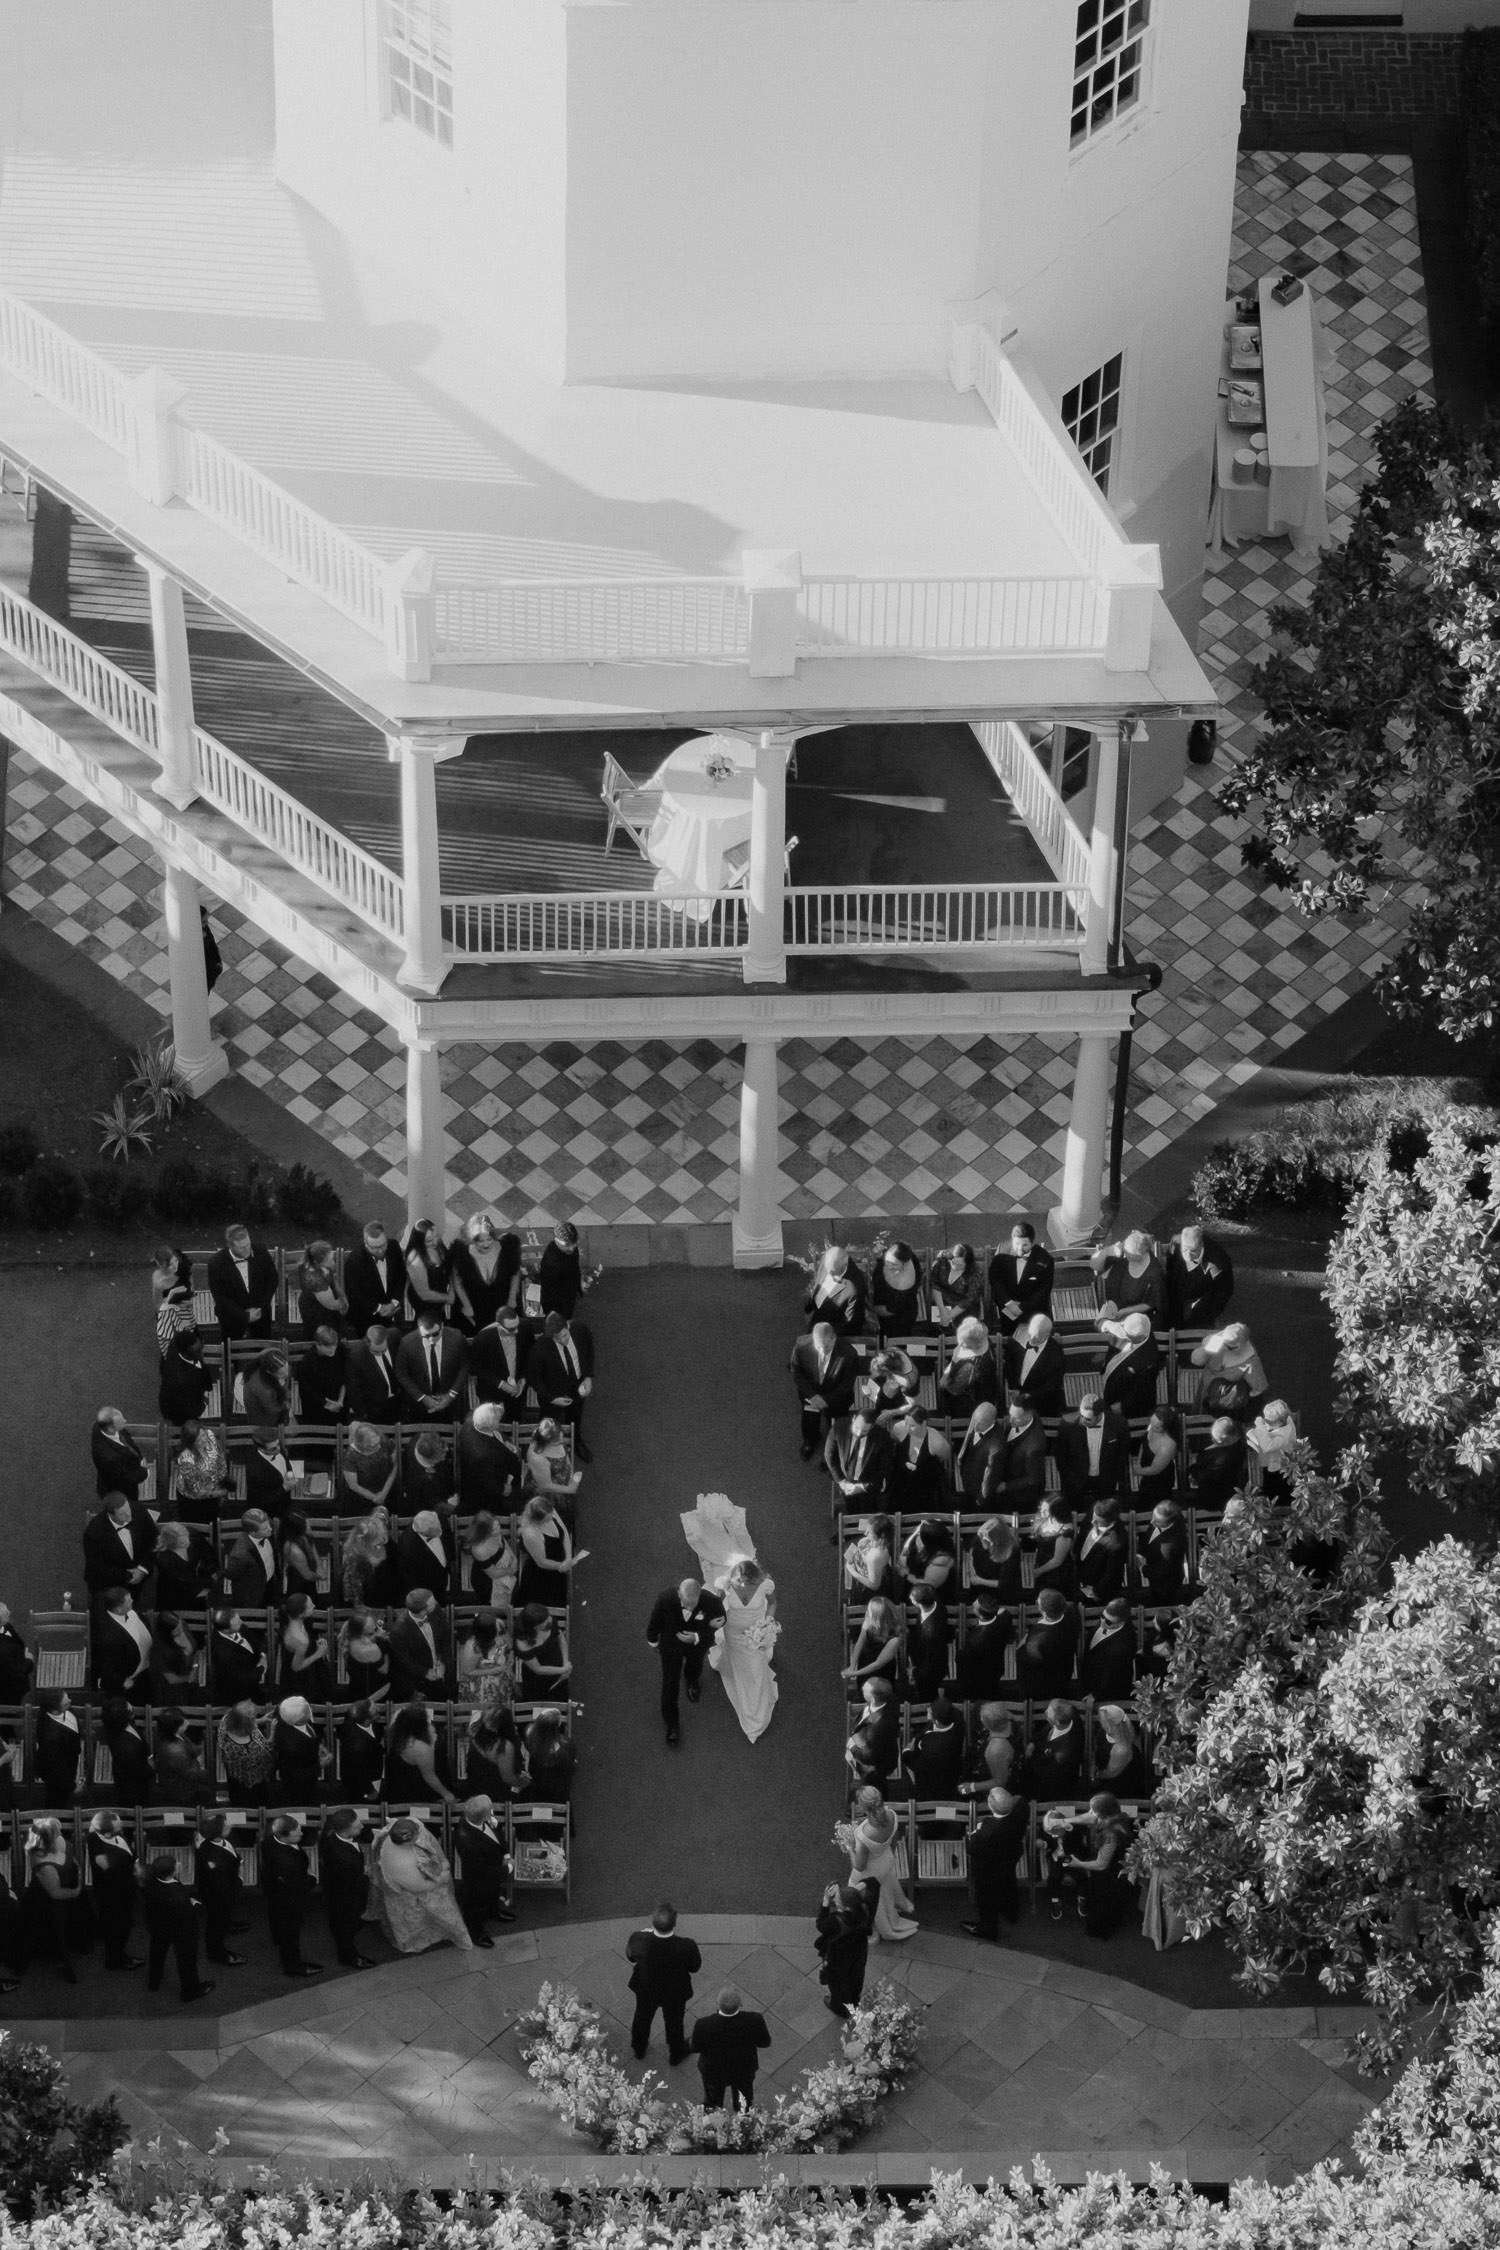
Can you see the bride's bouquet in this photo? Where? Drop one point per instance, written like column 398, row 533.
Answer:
column 762, row 1638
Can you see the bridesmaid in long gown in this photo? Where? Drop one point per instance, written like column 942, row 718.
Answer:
column 872, row 1858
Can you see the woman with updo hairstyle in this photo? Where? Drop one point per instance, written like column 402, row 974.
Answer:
column 896, row 1291
column 369, row 1468
column 551, row 1759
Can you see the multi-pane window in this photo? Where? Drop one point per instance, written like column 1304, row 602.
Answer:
column 1108, row 51
column 416, row 47
column 1091, row 410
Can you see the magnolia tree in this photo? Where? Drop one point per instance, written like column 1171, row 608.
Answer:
column 1379, row 762
column 1413, row 1283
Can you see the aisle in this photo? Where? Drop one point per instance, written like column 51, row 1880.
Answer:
column 694, row 1397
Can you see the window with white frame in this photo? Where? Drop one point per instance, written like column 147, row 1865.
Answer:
column 416, row 65
column 1091, row 410
column 1108, row 59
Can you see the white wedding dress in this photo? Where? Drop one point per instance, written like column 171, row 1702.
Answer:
column 742, row 1655
column 718, row 1535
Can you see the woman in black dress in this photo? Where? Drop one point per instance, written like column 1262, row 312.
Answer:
column 896, row 1291
column 494, row 1761
column 299, row 1558
column 416, row 1768
column 184, row 1568
column 1157, row 1456
column 548, row 1562
column 429, row 1271
column 366, row 1663
column 995, row 1560
column 306, row 1666
column 550, row 1758
column 486, row 1273
column 54, row 1904
column 560, row 1273
column 1054, row 1540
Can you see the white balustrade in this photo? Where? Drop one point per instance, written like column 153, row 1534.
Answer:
column 56, row 366
column 300, row 542
column 584, row 621
column 592, row 925
column 1029, row 787
column 1050, row 461
column 949, row 616
column 85, row 677
column 941, row 917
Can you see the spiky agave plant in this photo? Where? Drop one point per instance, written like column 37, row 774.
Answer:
column 125, row 1130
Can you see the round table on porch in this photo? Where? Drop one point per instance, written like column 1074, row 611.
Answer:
column 700, row 819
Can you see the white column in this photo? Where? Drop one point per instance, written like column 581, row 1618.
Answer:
column 1103, row 872
column 765, row 961
column 1075, row 1218
column 419, row 756
column 426, row 1174
column 174, row 686
column 201, row 1060
column 757, row 1224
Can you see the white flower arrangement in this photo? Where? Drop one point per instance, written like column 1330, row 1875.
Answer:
column 717, row 769
column 566, row 2051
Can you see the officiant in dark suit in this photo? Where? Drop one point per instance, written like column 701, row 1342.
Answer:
column 728, row 2049
column 682, row 1627
column 662, row 1977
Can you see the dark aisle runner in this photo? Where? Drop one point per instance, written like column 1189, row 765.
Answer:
column 693, row 1396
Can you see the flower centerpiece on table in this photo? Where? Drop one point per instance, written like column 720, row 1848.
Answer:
column 717, row 769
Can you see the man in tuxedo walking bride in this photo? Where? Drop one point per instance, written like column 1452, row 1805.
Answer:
column 682, row 1628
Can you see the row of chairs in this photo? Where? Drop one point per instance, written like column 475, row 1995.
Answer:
column 321, row 1448
column 930, row 1846
column 1146, row 1626
column 1077, row 1291
column 539, row 1837
column 963, row 1526
column 326, row 1535
column 1028, row 1720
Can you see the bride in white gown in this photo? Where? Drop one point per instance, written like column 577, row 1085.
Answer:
column 717, row 1533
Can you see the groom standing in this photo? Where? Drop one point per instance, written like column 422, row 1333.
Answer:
column 682, row 1628
column 662, row 1977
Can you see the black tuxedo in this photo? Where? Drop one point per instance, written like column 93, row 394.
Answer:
column 995, row 1848
column 1043, row 1379
column 105, row 1561
column 1048, row 1657
column 250, row 1583
column 16, row 1666
column 1219, row 1470
column 834, row 1384
column 56, row 1751
column 288, row 1885
column 236, row 1669
column 920, row 1487
column 117, row 1654
column 1057, row 1762
column 928, row 1640
column 844, row 1313
column 678, row 1661
column 1032, row 1291
column 843, row 1940
column 220, row 1889
column 489, row 1472
column 113, row 1877
column 981, row 1659
column 1103, row 1560
column 1073, row 1459
column 131, row 1761
column 728, row 2051
column 1164, row 1558
column 874, row 1749
column 1107, row 1669
column 414, row 1375
column 549, row 1371
column 374, row 1394
column 265, row 1486
column 376, row 1289
column 967, row 1383
column 412, row 1661
column 1131, row 1383
column 662, row 1977
column 417, row 1565
column 483, row 1875
column 936, row 1761
column 361, row 1762
column 243, row 1310
column 1197, row 1295
column 118, row 1463
column 863, row 1461
column 1023, row 1479
column 498, row 1364
column 299, row 1768
column 185, row 1380
column 172, row 1927
column 322, row 1385
column 346, row 1892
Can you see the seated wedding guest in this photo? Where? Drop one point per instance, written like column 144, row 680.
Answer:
column 1221, row 1463
column 200, row 1473
column 921, row 1465
column 1020, row 1279
column 988, row 1633
column 1054, row 1543
column 1048, row 1655
column 1035, row 1363
column 302, row 1755
column 252, row 1569
column 549, row 1474
column 929, row 1641
column 1157, row 1457
column 375, row 1282
column 119, row 1464
column 184, row 1568
column 994, row 1560
column 498, row 1359
column 494, row 1761
column 175, row 1656
column 118, row 1544
column 1200, row 1279
column 423, row 1559
column 1057, row 1753
column 1235, row 1382
column 271, row 1476
column 129, row 1757
column 1022, row 1481
column 551, row 1760
column 1270, row 1439
column 421, row 1650
column 427, row 1480
column 16, row 1661
column 374, row 1393
column 56, row 1747
column 320, row 1298
column 429, row 1273
column 876, row 1654
column 323, row 1377
column 266, row 1392
column 870, row 1565
column 186, row 1377
column 1119, row 1759
column 483, row 1661
column 364, row 1663
column 178, row 1774
column 366, row 1570
column 1128, row 1377
column 489, row 1471
column 542, row 1664
column 1107, row 1668
column 896, row 1291
column 560, row 1370
column 873, row 1750
column 369, row 1466
column 930, row 1558
column 559, row 1272
column 486, row 1272
column 242, row 1281
column 980, row 1463
column 1103, row 1554
column 1107, row 1892
column 121, row 1642
column 1093, row 1452
column 416, row 1769
column 858, row 1454
column 300, row 1558
column 996, row 1756
column 246, row 1753
column 493, row 1566
column 971, row 1378
column 236, row 1666
column 935, row 1761
column 1163, row 1556
column 1131, row 1277
column 432, row 1368
column 306, row 1664
column 361, row 1754
column 171, row 1290
column 549, row 1560
column 836, row 1298
column 957, row 1287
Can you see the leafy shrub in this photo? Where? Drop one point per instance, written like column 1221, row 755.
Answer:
column 125, row 1130
column 306, row 1199
column 186, row 1191
column 156, row 1078
column 50, row 2148
column 1481, row 121
column 51, row 1195
column 115, row 1199
column 19, row 1148
column 1315, row 1156
column 258, row 1197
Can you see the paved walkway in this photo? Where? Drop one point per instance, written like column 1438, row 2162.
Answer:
column 418, row 2065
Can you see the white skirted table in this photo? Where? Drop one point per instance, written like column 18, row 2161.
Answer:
column 701, row 817
column 1287, row 496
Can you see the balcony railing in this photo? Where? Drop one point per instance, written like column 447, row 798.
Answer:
column 55, row 366
column 943, row 917
column 948, row 616
column 271, row 520
column 593, row 925
column 84, row 676
column 571, row 621
column 1029, row 787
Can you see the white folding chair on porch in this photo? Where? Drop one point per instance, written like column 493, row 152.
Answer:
column 736, row 876
column 631, row 805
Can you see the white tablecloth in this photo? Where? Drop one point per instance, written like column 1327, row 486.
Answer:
column 699, row 820
column 1294, row 502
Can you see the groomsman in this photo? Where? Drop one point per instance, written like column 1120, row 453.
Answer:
column 346, row 1883
column 484, row 1870
column 220, row 1890
column 662, row 1977
column 112, row 1877
column 682, row 1627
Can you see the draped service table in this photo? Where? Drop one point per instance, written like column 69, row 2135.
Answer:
column 1292, row 498
column 700, row 819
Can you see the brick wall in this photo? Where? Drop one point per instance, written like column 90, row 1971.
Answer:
column 1352, row 73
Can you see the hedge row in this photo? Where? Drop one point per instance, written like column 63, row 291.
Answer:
column 52, row 1196
column 1315, row 1155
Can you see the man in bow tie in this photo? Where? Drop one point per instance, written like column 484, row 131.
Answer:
column 484, row 1870
column 682, row 1629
